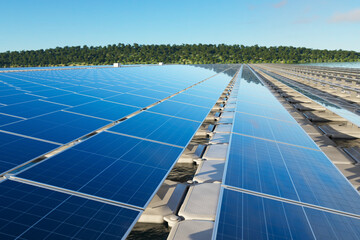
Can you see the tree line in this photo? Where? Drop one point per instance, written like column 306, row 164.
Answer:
column 178, row 54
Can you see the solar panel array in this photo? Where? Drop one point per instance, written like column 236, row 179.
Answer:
column 100, row 186
column 277, row 183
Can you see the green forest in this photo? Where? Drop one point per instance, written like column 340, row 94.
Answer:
column 179, row 54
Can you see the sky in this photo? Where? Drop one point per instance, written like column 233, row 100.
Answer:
column 42, row 24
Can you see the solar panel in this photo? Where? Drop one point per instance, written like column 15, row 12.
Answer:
column 182, row 110
column 120, row 88
column 104, row 109
column 110, row 166
column 245, row 216
column 72, row 99
column 60, row 127
column 15, row 150
column 5, row 119
column 199, row 101
column 151, row 93
column 159, row 127
column 290, row 172
column 51, row 92
column 279, row 113
column 271, row 129
column 31, row 109
column 29, row 212
column 133, row 100
column 18, row 98
column 100, row 93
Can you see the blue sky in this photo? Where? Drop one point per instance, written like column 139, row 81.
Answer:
column 321, row 24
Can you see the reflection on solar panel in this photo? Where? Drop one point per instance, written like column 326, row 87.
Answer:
column 133, row 100
column 277, row 183
column 271, row 129
column 264, row 111
column 29, row 212
column 290, row 172
column 176, row 109
column 245, row 216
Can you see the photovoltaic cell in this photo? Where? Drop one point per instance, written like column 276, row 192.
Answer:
column 244, row 216
column 158, row 127
column 151, row 93
column 18, row 98
column 119, row 88
column 100, row 93
column 279, row 113
column 72, row 99
column 51, row 92
column 31, row 109
column 110, row 166
column 182, row 110
column 15, row 150
column 200, row 101
column 133, row 100
column 290, row 172
column 272, row 129
column 29, row 212
column 5, row 119
column 104, row 109
column 60, row 127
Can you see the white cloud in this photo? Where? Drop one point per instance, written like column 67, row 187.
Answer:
column 351, row 16
column 280, row 4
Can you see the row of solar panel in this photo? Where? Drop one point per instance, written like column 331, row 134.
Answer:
column 246, row 216
column 136, row 166
column 78, row 121
column 110, row 165
column 277, row 158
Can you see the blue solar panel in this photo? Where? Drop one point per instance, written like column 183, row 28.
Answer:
column 31, row 109
column 100, row 93
column 10, row 91
column 72, row 99
column 5, row 119
column 133, row 100
column 111, row 166
column 120, row 88
column 272, row 129
column 182, row 110
column 278, row 113
column 29, row 212
column 51, row 92
column 60, row 127
column 77, row 88
column 151, row 93
column 159, row 127
column 199, row 101
column 290, row 172
column 166, row 89
column 201, row 91
column 18, row 98
column 104, row 109
column 15, row 150
column 244, row 216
